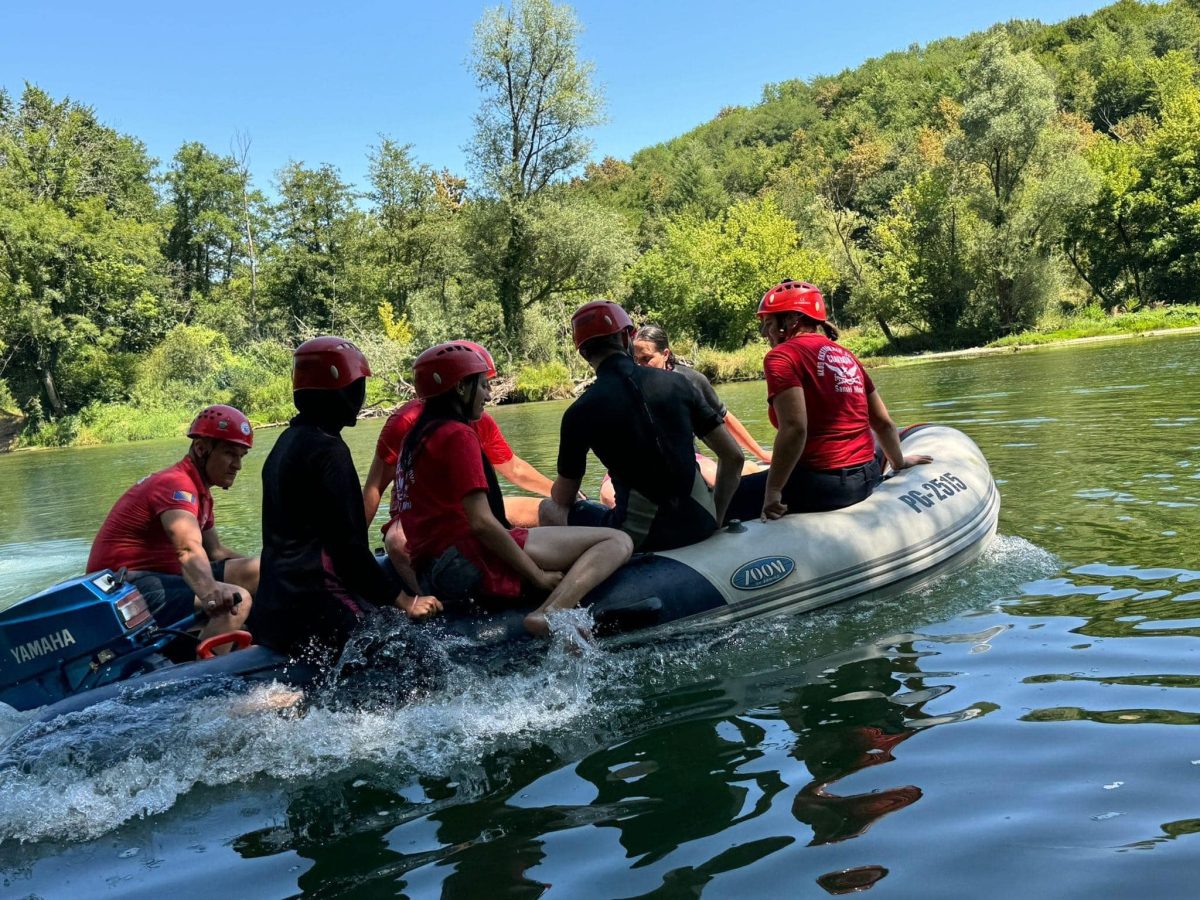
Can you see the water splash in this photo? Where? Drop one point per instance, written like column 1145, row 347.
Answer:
column 85, row 774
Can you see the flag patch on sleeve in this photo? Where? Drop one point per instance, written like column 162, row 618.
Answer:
column 185, row 496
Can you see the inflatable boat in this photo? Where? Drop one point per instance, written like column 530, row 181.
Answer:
column 90, row 638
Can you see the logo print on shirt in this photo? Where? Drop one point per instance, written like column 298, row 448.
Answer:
column 185, row 496
column 847, row 375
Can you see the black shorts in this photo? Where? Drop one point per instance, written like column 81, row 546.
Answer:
column 590, row 514
column 808, row 490
column 170, row 598
column 653, row 526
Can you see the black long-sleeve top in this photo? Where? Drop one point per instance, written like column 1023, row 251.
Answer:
column 317, row 565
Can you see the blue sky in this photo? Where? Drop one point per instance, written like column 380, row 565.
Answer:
column 320, row 82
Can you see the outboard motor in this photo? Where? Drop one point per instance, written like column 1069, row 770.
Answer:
column 78, row 634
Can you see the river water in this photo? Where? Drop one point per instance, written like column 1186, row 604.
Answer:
column 1029, row 725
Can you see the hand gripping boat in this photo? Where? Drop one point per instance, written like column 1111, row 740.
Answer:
column 84, row 640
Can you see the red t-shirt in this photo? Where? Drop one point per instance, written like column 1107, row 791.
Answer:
column 835, row 389
column 132, row 536
column 429, row 501
column 401, row 422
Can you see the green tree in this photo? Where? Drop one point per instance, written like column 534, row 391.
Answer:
column 706, row 277
column 205, row 241
column 312, row 224
column 1034, row 176
column 538, row 102
column 575, row 247
column 81, row 274
column 418, row 243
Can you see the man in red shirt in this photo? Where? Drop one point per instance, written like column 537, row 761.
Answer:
column 521, row 512
column 161, row 530
column 827, row 410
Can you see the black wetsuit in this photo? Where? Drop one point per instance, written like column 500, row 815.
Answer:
column 319, row 577
column 640, row 422
column 704, row 386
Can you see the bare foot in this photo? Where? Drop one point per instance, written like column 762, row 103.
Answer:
column 536, row 624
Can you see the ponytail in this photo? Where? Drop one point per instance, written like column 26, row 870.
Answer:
column 830, row 331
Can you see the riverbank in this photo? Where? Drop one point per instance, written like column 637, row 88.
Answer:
column 126, row 422
column 1016, row 347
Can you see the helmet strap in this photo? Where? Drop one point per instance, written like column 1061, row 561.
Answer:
column 200, row 460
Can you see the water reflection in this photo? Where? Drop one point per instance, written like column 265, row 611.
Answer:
column 1098, row 595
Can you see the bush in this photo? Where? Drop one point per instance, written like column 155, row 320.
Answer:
column 259, row 382
column 113, row 423
column 187, row 353
column 543, row 381
column 8, row 403
column 47, row 433
column 1091, row 321
column 719, row 366
column 865, row 343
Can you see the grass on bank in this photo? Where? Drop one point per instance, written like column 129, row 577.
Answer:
column 1092, row 322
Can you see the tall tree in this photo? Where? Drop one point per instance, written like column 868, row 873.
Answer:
column 705, row 277
column 1034, row 176
column 538, row 101
column 81, row 275
column 311, row 226
column 417, row 243
column 205, row 192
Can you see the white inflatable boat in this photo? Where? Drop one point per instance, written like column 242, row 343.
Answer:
column 917, row 526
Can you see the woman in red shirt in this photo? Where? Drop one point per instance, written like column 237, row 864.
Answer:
column 826, row 409
column 452, row 511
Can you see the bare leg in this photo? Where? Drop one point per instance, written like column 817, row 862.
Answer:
column 608, row 493
column 522, row 512
column 243, row 572
column 586, row 556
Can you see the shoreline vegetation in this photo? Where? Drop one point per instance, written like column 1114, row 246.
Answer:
column 1024, row 185
column 532, row 384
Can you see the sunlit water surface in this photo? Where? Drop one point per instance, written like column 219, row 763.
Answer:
column 1026, row 725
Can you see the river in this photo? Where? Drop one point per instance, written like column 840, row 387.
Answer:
column 1020, row 727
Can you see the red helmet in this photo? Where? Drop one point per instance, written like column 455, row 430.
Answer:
column 482, row 351
column 224, row 423
column 599, row 319
column 442, row 366
column 793, row 297
column 327, row 364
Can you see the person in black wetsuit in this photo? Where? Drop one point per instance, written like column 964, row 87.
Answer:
column 640, row 422
column 319, row 577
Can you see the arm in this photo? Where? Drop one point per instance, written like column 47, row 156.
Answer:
column 495, row 537
column 792, row 416
column 215, row 550
column 742, row 435
column 184, row 531
column 572, row 466
column 377, row 481
column 524, row 476
column 729, row 467
column 889, row 437
column 565, row 491
column 344, row 529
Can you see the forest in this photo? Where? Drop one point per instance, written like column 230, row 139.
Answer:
column 942, row 196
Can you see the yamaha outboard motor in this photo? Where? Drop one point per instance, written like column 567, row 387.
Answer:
column 76, row 635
